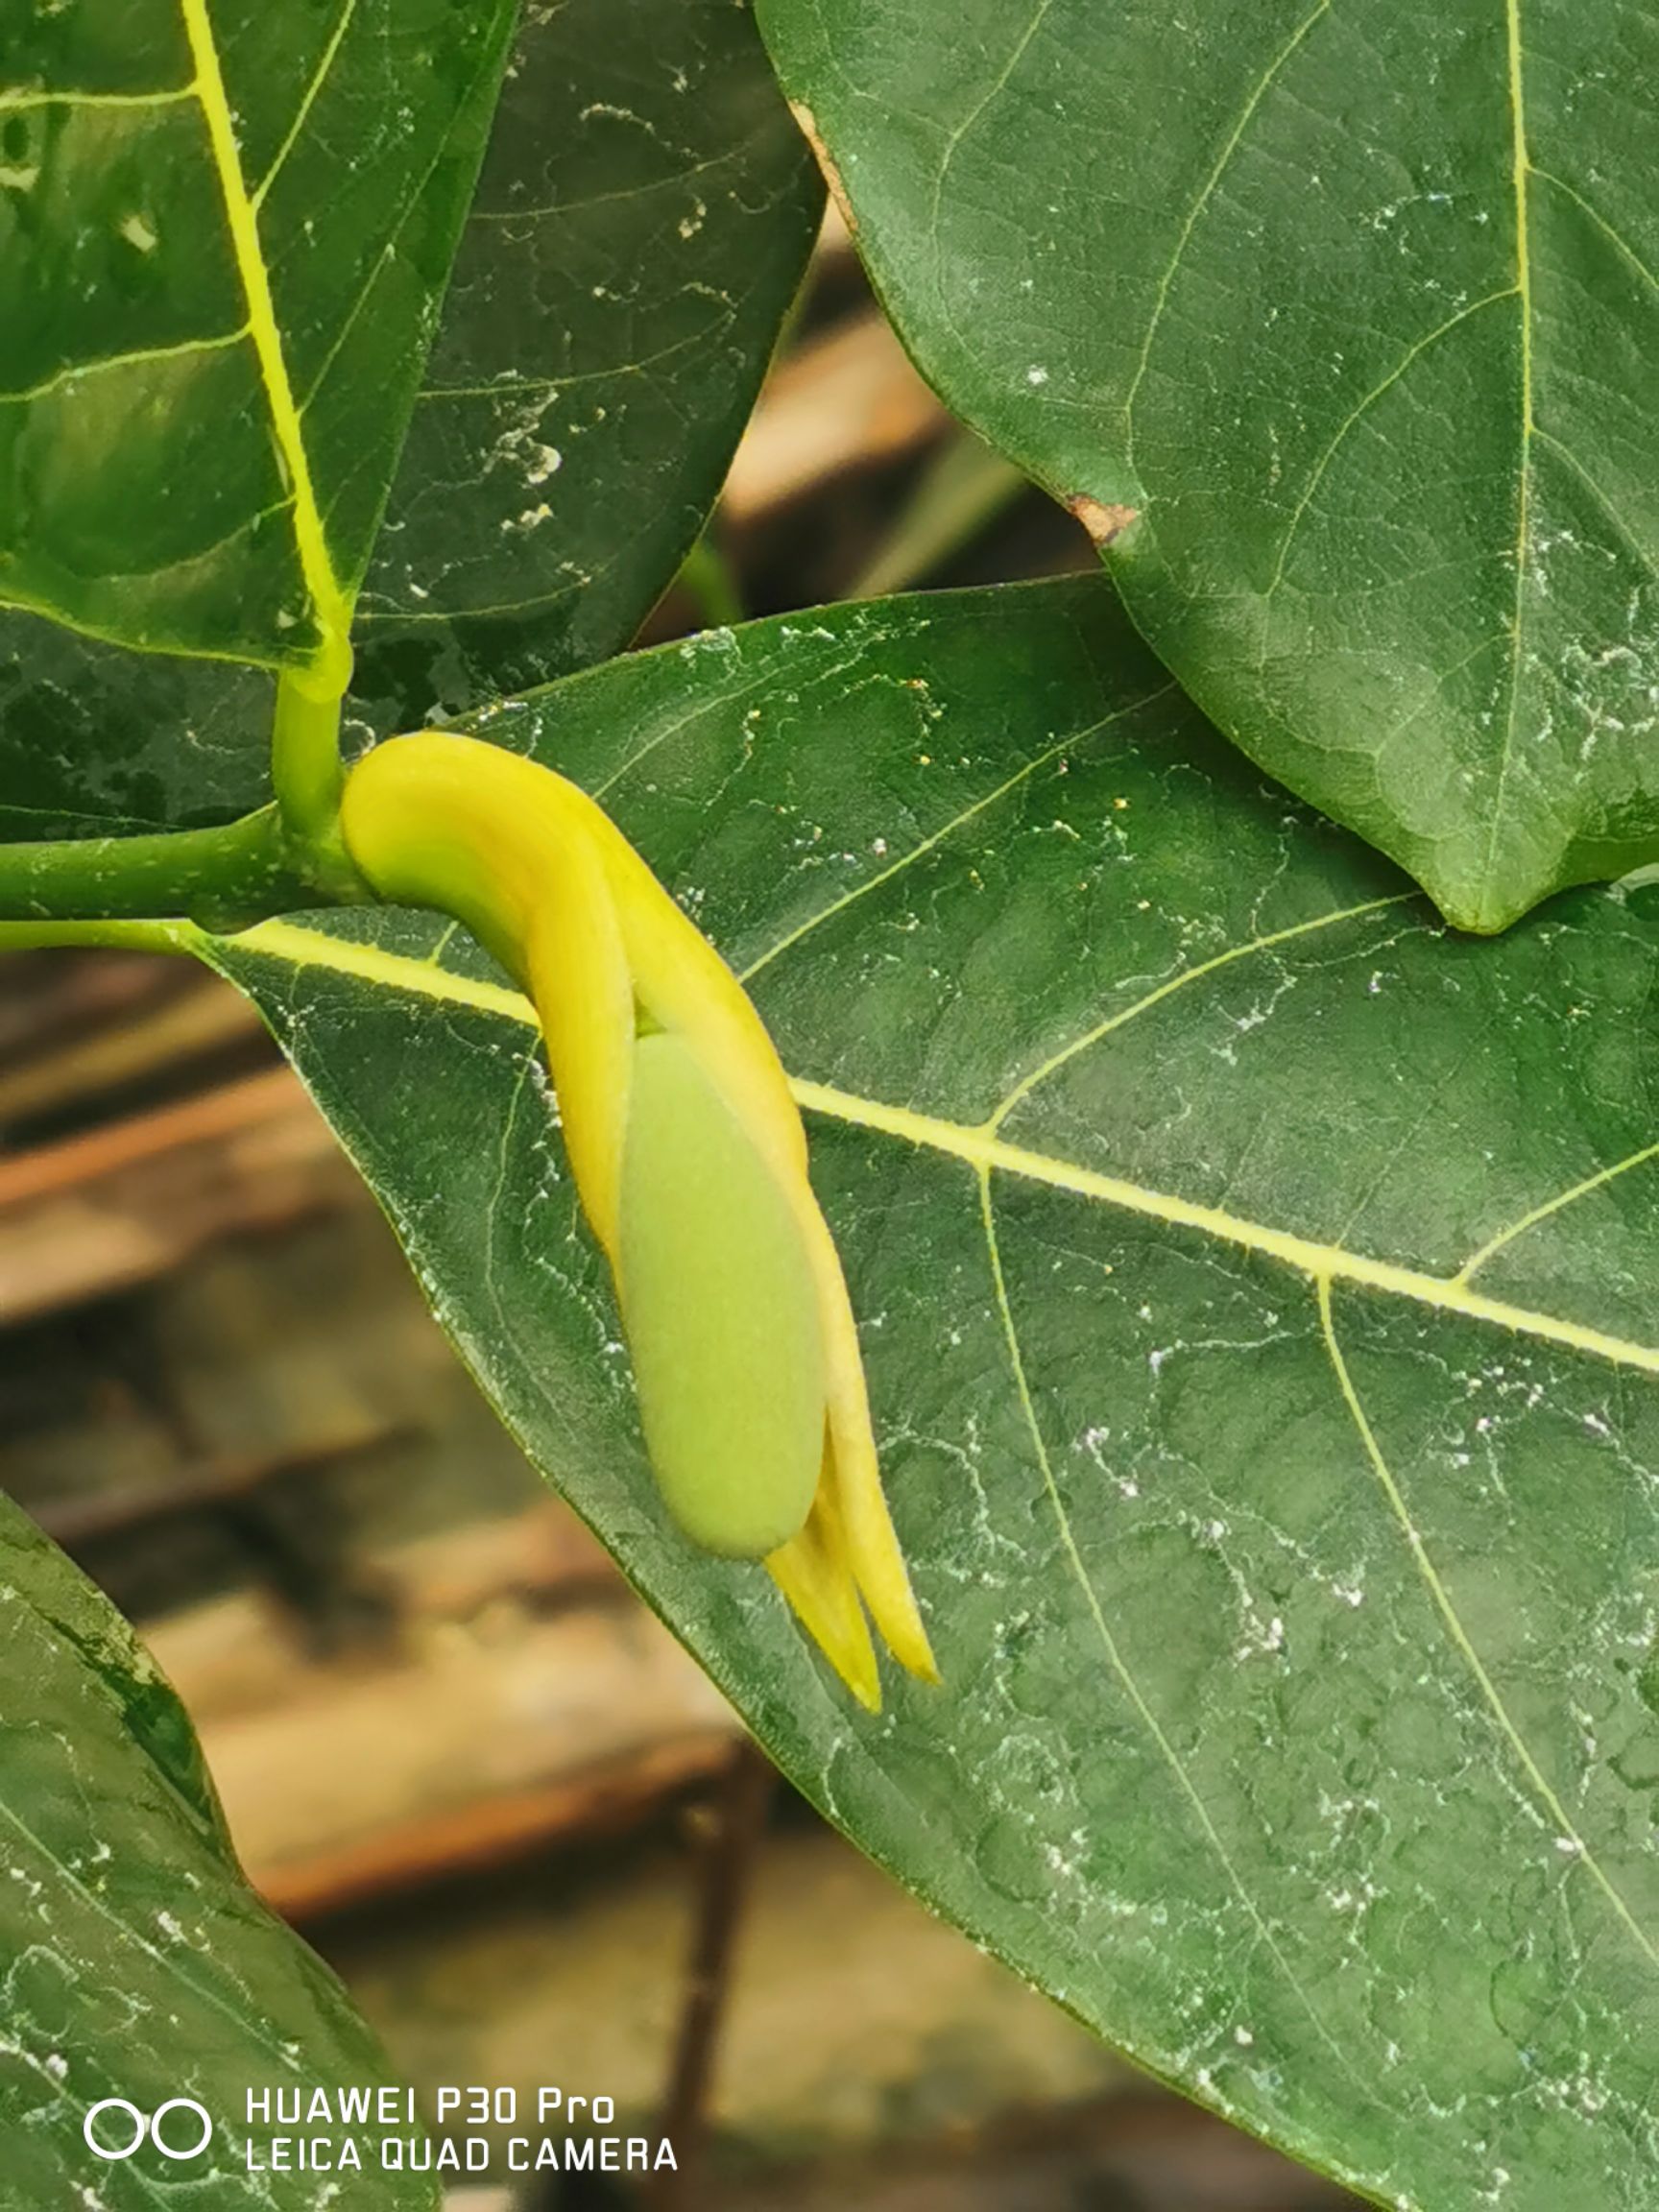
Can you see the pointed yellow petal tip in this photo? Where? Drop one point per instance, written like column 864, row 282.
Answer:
column 818, row 1572
column 827, row 1605
column 690, row 1157
column 918, row 1659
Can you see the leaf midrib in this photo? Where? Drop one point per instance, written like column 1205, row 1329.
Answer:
column 331, row 603
column 983, row 1148
column 1520, row 169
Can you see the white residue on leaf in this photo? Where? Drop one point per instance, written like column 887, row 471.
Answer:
column 137, row 232
column 520, row 446
column 1262, row 1637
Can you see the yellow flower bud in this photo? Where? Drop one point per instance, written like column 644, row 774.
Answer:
column 690, row 1162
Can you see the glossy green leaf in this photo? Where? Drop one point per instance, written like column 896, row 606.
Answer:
column 135, row 1960
column 1354, row 305
column 1258, row 1291
column 224, row 231
column 642, row 218
column 640, row 232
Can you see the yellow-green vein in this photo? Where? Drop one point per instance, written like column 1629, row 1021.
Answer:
column 137, row 357
column 331, row 604
column 307, row 100
column 300, row 948
column 1582, row 1189
column 1026, row 1084
column 45, row 96
column 1118, row 1664
column 1257, row 93
column 948, row 830
column 1520, row 165
column 1454, row 1628
column 1361, row 407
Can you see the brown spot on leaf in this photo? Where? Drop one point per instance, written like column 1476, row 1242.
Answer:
column 822, row 155
column 1103, row 523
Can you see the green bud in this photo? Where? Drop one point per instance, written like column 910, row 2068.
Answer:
column 721, row 1308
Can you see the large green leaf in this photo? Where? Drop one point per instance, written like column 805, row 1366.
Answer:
column 641, row 225
column 224, row 229
column 1354, row 305
column 640, row 232
column 135, row 1960
column 1258, row 1293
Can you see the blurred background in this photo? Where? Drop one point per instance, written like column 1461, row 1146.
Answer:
column 454, row 1750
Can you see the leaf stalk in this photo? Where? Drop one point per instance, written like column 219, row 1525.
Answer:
column 223, row 878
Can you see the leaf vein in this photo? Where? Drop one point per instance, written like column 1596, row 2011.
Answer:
column 308, row 99
column 329, row 602
column 164, row 96
column 1257, row 93
column 138, row 357
column 301, row 948
column 1028, row 1084
column 1563, row 1199
column 1572, row 463
column 1032, row 767
column 1615, row 237
column 1352, row 419
column 1520, row 170
column 1113, row 1653
column 1459, row 1635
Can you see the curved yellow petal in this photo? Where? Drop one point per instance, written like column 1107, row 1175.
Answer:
column 811, row 1572
column 684, row 985
column 578, row 978
column 507, row 846
column 544, row 880
column 870, row 1547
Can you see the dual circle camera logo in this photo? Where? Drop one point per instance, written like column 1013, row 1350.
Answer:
column 129, row 2128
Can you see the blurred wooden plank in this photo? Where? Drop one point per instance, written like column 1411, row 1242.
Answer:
column 120, row 1206
column 847, row 399
column 187, row 1024
column 478, row 1741
column 78, row 1522
column 528, row 1698
column 48, row 995
column 544, row 1553
column 603, row 1800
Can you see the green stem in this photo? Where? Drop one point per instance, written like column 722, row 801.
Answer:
column 305, row 770
column 125, row 936
column 223, row 878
